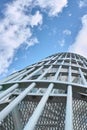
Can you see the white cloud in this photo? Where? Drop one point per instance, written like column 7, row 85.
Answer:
column 15, row 27
column 15, row 31
column 32, row 41
column 53, row 7
column 61, row 42
column 37, row 18
column 82, row 3
column 80, row 44
column 67, row 32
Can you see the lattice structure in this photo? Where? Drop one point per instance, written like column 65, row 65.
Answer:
column 48, row 95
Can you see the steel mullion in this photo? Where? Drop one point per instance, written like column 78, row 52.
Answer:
column 21, row 75
column 12, row 76
column 82, row 76
column 43, row 74
column 57, row 73
column 29, row 76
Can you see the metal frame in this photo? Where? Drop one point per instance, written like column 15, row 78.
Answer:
column 41, row 99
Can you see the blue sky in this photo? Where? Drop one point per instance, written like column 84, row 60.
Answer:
column 31, row 30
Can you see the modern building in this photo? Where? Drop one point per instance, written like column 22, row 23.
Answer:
column 48, row 95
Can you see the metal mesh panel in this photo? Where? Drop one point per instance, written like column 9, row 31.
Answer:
column 26, row 109
column 79, row 114
column 7, row 123
column 53, row 116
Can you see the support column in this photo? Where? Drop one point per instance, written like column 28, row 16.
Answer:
column 69, row 112
column 17, row 119
column 39, row 109
column 69, row 116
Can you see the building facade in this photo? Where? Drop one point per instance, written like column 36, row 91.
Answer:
column 48, row 95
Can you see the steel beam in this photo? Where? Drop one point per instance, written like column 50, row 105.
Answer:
column 39, row 109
